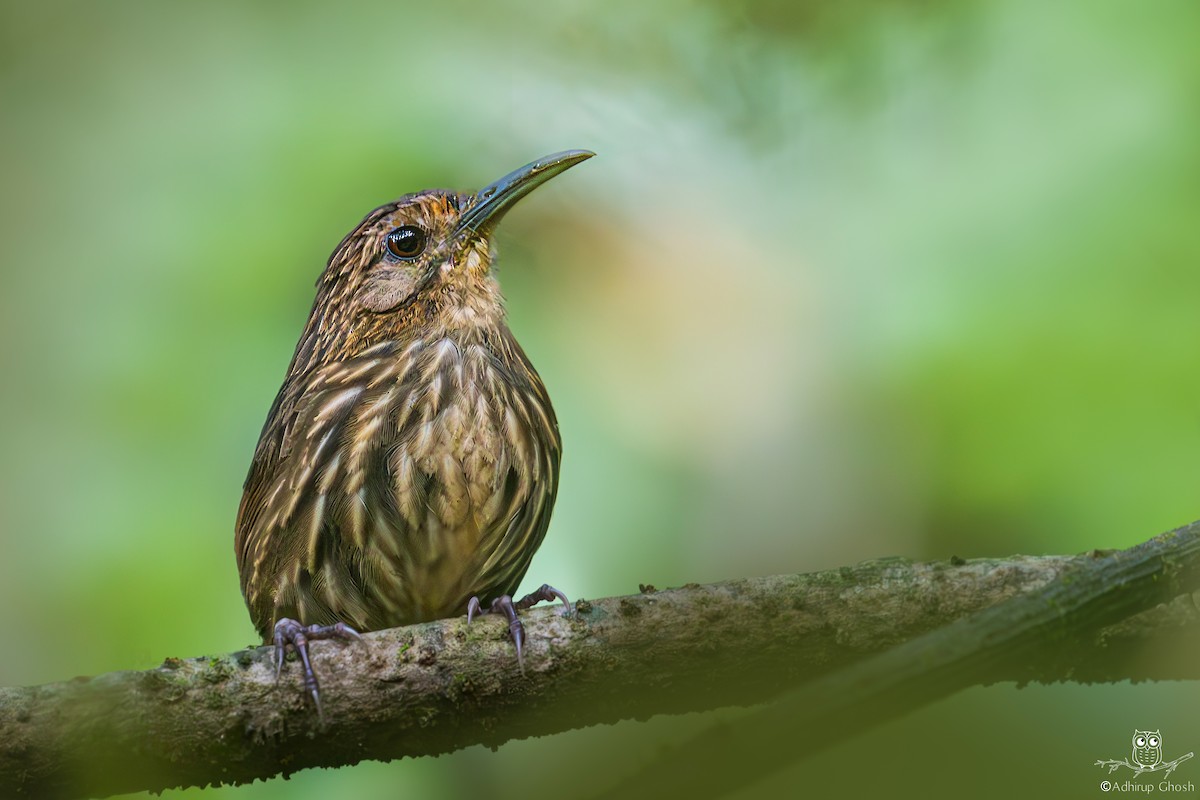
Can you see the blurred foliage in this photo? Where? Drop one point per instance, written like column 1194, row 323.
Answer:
column 847, row 280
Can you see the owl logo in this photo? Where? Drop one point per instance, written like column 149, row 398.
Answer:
column 1147, row 757
column 1147, row 749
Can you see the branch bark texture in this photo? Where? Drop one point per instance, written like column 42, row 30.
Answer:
column 441, row 686
column 1057, row 632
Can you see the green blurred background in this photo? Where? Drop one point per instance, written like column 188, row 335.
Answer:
column 846, row 280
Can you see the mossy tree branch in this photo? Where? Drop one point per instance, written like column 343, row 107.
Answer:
column 1058, row 632
column 437, row 687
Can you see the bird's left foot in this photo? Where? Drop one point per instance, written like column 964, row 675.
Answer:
column 504, row 604
column 290, row 633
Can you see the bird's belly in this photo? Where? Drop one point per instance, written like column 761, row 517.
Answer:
column 411, row 485
column 456, row 485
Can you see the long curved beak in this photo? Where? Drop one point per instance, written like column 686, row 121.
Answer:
column 493, row 201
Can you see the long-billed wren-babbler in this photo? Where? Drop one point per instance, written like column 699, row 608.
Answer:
column 407, row 468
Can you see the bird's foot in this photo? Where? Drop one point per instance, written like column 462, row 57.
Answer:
column 289, row 633
column 504, row 604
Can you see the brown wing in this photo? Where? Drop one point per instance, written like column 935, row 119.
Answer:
column 277, row 500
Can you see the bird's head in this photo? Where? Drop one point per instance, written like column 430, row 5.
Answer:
column 422, row 261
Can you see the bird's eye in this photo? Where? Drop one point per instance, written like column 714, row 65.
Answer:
column 1140, row 741
column 1154, row 741
column 406, row 242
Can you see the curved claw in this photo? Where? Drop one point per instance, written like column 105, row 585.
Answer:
column 290, row 633
column 517, row 631
column 474, row 609
column 505, row 605
column 548, row 593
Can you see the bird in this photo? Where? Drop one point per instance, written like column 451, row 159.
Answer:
column 409, row 464
column 1147, row 749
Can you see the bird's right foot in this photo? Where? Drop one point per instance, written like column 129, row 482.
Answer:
column 504, row 604
column 289, row 633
